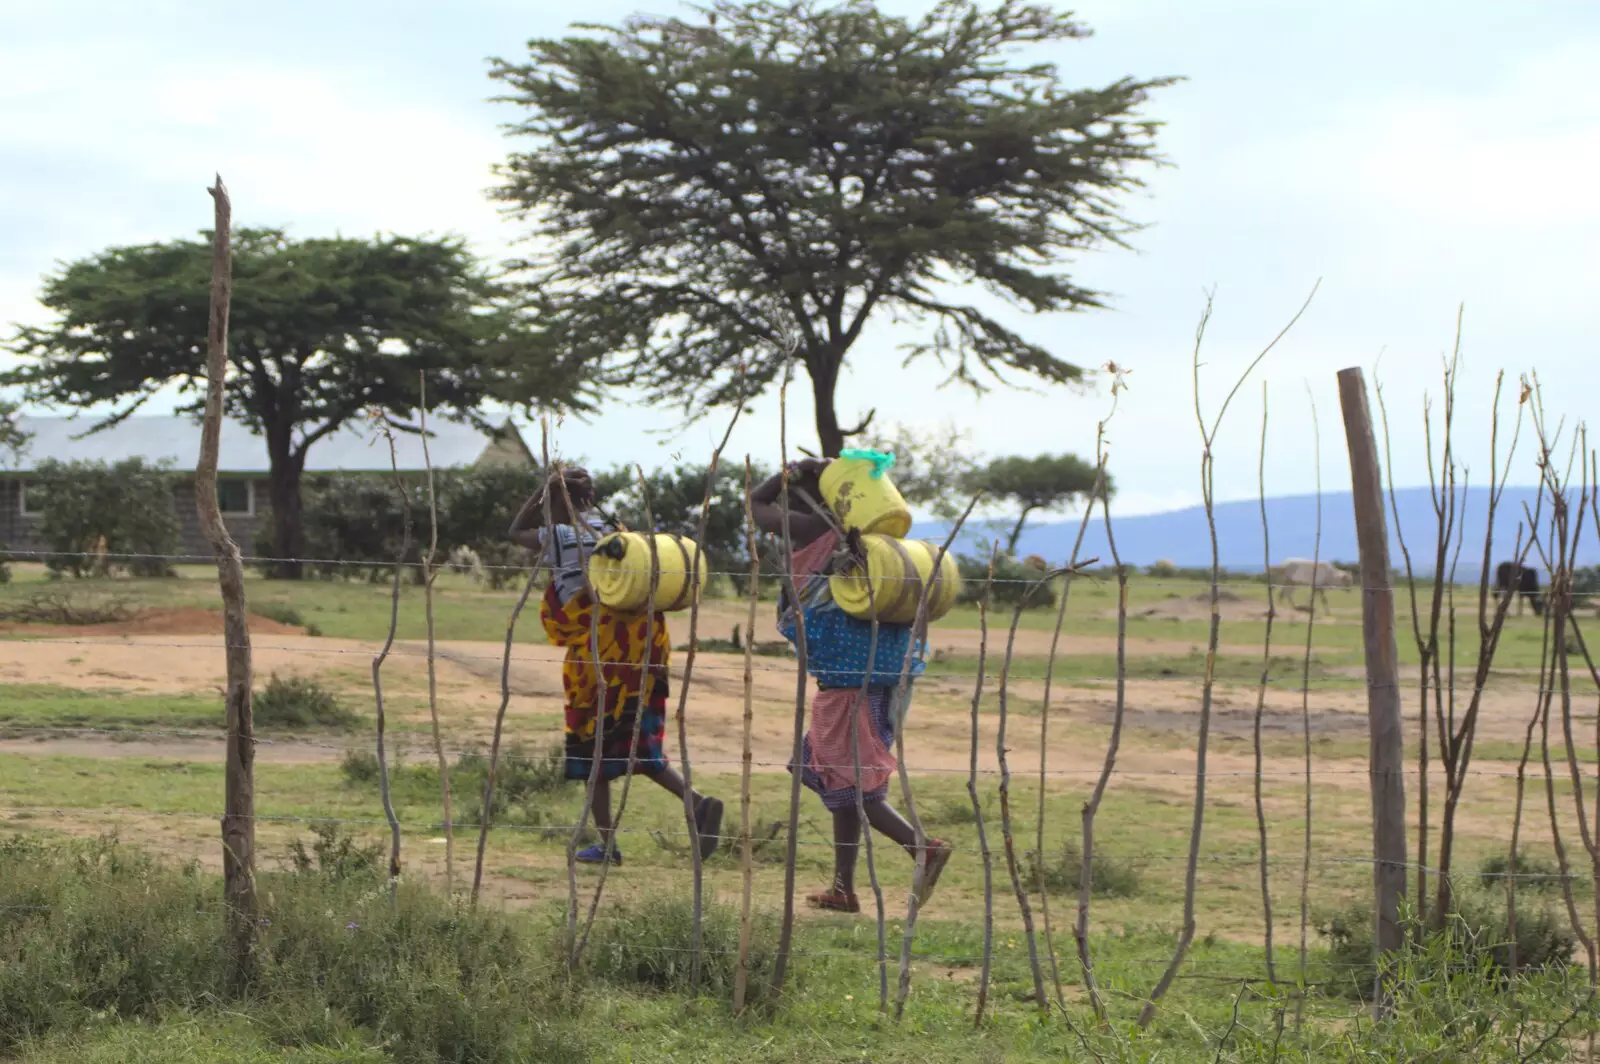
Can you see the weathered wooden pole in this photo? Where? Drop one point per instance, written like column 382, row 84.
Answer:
column 1383, row 668
column 239, row 803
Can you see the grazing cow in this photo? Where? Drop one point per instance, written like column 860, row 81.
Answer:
column 1302, row 572
column 1036, row 563
column 1510, row 578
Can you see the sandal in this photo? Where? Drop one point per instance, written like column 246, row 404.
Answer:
column 596, row 854
column 934, row 857
column 708, row 825
column 834, row 900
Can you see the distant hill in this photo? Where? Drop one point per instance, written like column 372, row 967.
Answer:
column 1181, row 536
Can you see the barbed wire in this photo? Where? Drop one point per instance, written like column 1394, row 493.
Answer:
column 46, row 732
column 564, row 830
column 443, row 564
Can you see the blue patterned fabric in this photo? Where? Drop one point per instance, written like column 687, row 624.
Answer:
column 838, row 645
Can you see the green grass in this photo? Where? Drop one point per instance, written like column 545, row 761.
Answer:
column 32, row 706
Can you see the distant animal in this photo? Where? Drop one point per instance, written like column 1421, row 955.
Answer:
column 1303, row 572
column 1036, row 563
column 1512, row 578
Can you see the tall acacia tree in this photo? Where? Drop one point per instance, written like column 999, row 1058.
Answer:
column 322, row 331
column 1044, row 482
column 825, row 158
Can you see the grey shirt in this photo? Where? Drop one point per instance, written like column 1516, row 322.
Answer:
column 565, row 559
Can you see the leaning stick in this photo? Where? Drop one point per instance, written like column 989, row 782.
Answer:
column 919, row 634
column 1006, row 836
column 741, row 973
column 429, row 573
column 383, row 655
column 486, row 814
column 977, row 807
column 645, row 671
column 1261, row 697
column 1202, row 744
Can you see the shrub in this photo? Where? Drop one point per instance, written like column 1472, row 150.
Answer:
column 335, row 854
column 281, row 612
column 295, row 701
column 5, row 563
column 1013, row 583
column 1533, row 873
column 1109, row 877
column 359, row 766
column 129, row 503
column 650, row 944
column 90, row 929
column 519, row 778
column 1476, row 934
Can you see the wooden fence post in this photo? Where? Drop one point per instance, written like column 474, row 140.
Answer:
column 1383, row 668
column 239, row 808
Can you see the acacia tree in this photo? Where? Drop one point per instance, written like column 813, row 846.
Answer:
column 825, row 159
column 322, row 331
column 1045, row 482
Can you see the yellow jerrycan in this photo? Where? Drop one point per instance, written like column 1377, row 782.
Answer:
column 856, row 489
column 897, row 569
column 619, row 572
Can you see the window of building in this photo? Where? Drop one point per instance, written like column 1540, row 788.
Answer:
column 22, row 501
column 236, row 496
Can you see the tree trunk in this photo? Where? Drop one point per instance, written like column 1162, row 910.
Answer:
column 824, row 371
column 1016, row 531
column 288, row 533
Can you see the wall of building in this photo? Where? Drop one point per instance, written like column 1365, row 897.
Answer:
column 19, row 532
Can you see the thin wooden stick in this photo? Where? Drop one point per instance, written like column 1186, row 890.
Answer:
column 919, row 635
column 1080, row 927
column 1005, row 808
column 1202, row 745
column 429, row 573
column 383, row 655
column 697, row 863
column 1044, row 726
column 485, row 815
column 780, row 964
column 741, row 974
column 1261, row 699
column 865, row 704
column 1305, row 721
column 977, row 806
column 239, row 804
column 645, row 671
column 607, row 842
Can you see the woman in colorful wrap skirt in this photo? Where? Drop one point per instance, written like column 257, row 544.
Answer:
column 628, row 681
column 846, row 701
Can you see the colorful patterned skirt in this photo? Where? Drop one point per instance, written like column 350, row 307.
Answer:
column 827, row 761
column 629, row 682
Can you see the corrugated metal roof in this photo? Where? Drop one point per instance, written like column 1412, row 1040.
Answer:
column 355, row 447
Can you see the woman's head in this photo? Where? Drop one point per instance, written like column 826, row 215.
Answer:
column 805, row 477
column 572, row 483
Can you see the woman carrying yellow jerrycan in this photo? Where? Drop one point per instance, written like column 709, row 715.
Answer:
column 854, row 695
column 631, row 645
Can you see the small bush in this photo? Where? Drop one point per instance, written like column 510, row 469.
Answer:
column 359, row 766
column 1533, row 873
column 335, row 855
column 1476, row 934
column 90, row 930
column 649, row 944
column 1109, row 877
column 1013, row 583
column 300, row 702
column 5, row 563
column 519, row 779
column 281, row 612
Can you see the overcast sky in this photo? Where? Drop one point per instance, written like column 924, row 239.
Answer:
column 1413, row 156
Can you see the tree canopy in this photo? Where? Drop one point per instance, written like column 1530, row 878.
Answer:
column 711, row 196
column 1044, row 482
column 322, row 331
